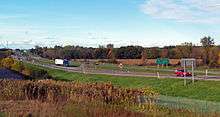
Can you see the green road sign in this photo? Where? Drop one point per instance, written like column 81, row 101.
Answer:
column 162, row 61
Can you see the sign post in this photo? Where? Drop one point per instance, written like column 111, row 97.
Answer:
column 189, row 63
column 193, row 78
column 206, row 73
column 184, row 73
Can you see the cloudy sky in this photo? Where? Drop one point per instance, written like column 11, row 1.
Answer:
column 26, row 23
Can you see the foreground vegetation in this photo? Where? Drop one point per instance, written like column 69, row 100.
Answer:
column 70, row 94
column 56, row 98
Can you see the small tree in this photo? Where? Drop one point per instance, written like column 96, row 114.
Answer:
column 207, row 44
column 143, row 56
column 213, row 56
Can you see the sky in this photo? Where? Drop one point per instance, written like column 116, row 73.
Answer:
column 148, row 23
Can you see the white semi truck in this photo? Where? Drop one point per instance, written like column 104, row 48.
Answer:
column 62, row 62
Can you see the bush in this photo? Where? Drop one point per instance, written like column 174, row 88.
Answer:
column 17, row 66
column 40, row 74
column 1, row 63
column 7, row 62
column 26, row 71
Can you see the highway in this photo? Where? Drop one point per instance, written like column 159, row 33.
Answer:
column 121, row 73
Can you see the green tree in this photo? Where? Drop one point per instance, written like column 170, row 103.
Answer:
column 129, row 52
column 153, row 53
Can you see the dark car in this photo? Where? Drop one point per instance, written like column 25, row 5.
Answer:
column 180, row 72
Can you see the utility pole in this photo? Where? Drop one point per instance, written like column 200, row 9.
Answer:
column 193, row 78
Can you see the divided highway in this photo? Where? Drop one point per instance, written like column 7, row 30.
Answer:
column 120, row 73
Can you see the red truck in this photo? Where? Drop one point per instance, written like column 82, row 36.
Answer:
column 180, row 72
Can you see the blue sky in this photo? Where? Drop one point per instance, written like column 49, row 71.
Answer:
column 26, row 23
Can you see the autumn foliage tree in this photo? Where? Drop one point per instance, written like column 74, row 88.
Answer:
column 17, row 66
column 207, row 52
column 144, row 56
column 7, row 62
column 207, row 44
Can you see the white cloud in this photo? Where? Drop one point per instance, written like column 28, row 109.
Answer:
column 194, row 11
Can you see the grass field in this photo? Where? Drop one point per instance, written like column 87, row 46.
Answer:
column 202, row 90
column 155, row 69
column 2, row 114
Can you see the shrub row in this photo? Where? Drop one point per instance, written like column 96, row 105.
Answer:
column 19, row 67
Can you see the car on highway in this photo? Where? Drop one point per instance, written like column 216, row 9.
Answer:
column 180, row 72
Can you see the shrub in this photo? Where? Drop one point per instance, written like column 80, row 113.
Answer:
column 7, row 62
column 26, row 71
column 17, row 66
column 0, row 63
column 40, row 74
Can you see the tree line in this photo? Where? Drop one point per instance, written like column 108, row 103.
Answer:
column 208, row 52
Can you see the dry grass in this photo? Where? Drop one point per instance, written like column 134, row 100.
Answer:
column 53, row 98
column 48, row 98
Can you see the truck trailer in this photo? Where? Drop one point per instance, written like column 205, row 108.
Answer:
column 62, row 62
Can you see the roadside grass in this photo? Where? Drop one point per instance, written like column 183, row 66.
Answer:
column 74, row 64
column 2, row 114
column 202, row 90
column 155, row 69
